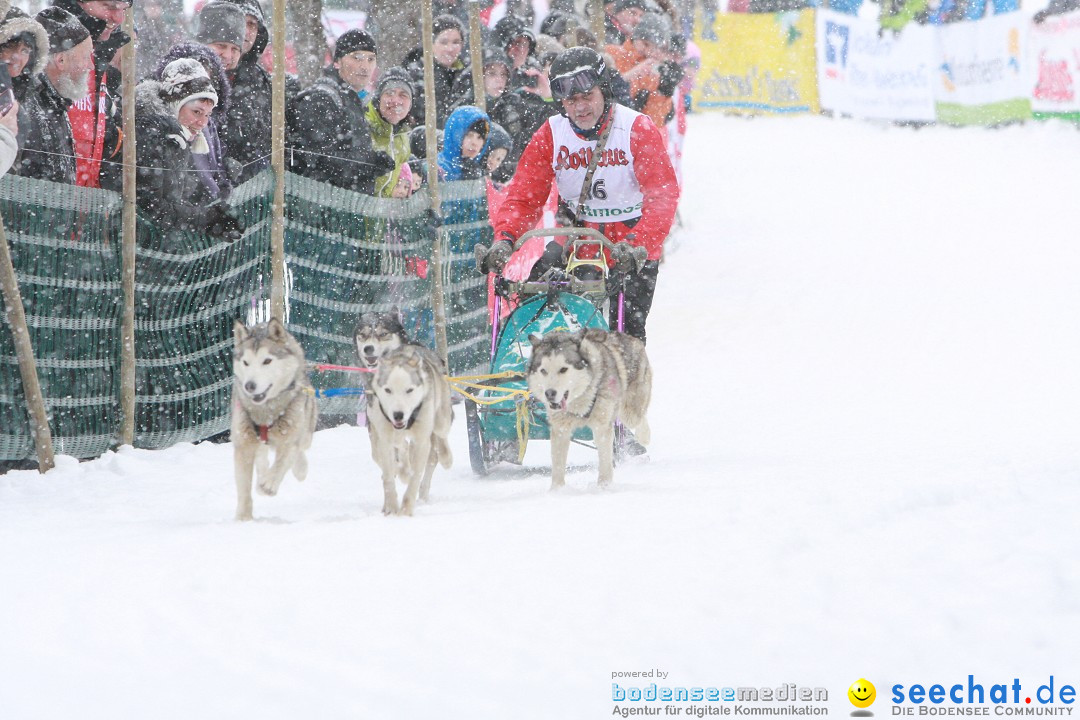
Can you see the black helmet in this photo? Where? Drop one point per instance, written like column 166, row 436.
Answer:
column 578, row 70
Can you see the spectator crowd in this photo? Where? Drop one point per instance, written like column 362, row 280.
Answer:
column 203, row 100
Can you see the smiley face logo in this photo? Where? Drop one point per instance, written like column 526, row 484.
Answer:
column 862, row 693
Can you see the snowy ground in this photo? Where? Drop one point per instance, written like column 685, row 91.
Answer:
column 866, row 450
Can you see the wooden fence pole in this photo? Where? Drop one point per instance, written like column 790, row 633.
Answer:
column 597, row 16
column 277, row 161
column 24, row 351
column 432, row 140
column 127, row 241
column 476, row 53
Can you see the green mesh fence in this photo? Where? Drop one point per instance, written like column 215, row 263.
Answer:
column 465, row 219
column 189, row 289
column 64, row 246
column 345, row 254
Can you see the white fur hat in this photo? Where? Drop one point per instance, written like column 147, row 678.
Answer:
column 185, row 80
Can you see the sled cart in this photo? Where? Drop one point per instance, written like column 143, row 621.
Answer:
column 500, row 415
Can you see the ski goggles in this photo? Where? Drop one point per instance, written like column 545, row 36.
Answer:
column 581, row 81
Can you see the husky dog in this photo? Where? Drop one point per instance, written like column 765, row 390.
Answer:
column 590, row 378
column 409, row 420
column 377, row 334
column 273, row 407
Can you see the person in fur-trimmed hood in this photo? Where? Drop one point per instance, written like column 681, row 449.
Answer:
column 24, row 47
column 174, row 187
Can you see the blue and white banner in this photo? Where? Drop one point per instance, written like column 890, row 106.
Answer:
column 860, row 74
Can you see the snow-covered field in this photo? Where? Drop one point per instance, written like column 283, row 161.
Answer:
column 866, row 457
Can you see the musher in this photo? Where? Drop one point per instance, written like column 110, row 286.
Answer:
column 633, row 192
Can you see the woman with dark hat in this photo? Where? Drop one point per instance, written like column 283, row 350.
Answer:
column 448, row 35
column 387, row 114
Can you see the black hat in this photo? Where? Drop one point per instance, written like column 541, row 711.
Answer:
column 655, row 29
column 394, row 77
column 510, row 28
column 446, row 22
column 354, row 41
column 64, row 29
column 222, row 22
column 495, row 56
column 643, row 5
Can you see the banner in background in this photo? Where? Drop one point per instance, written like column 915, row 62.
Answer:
column 864, row 76
column 1054, row 60
column 759, row 63
column 980, row 77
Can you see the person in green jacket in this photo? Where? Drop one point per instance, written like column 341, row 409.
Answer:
column 387, row 111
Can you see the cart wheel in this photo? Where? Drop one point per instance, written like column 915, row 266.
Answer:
column 476, row 440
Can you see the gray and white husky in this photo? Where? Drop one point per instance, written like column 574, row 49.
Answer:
column 590, row 378
column 409, row 419
column 377, row 334
column 273, row 408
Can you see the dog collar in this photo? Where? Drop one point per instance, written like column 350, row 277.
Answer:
column 263, row 431
column 596, row 396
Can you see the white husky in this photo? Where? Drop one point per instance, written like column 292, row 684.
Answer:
column 409, row 419
column 273, row 407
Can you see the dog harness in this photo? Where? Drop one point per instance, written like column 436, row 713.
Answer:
column 596, row 396
column 263, row 431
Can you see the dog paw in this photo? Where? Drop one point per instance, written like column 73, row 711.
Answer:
column 389, row 508
column 267, row 489
column 243, row 517
column 406, row 509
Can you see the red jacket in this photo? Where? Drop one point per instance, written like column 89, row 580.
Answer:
column 529, row 189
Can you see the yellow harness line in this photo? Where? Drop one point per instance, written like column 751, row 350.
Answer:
column 521, row 409
column 461, row 382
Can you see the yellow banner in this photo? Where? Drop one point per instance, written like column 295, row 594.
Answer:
column 759, row 63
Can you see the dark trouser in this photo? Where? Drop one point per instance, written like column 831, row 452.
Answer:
column 637, row 299
column 638, row 291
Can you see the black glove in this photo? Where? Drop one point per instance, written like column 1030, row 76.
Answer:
column 495, row 258
column 220, row 222
column 622, row 257
column 671, row 74
column 434, row 219
column 1040, row 17
column 627, row 258
column 105, row 50
column 381, row 163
